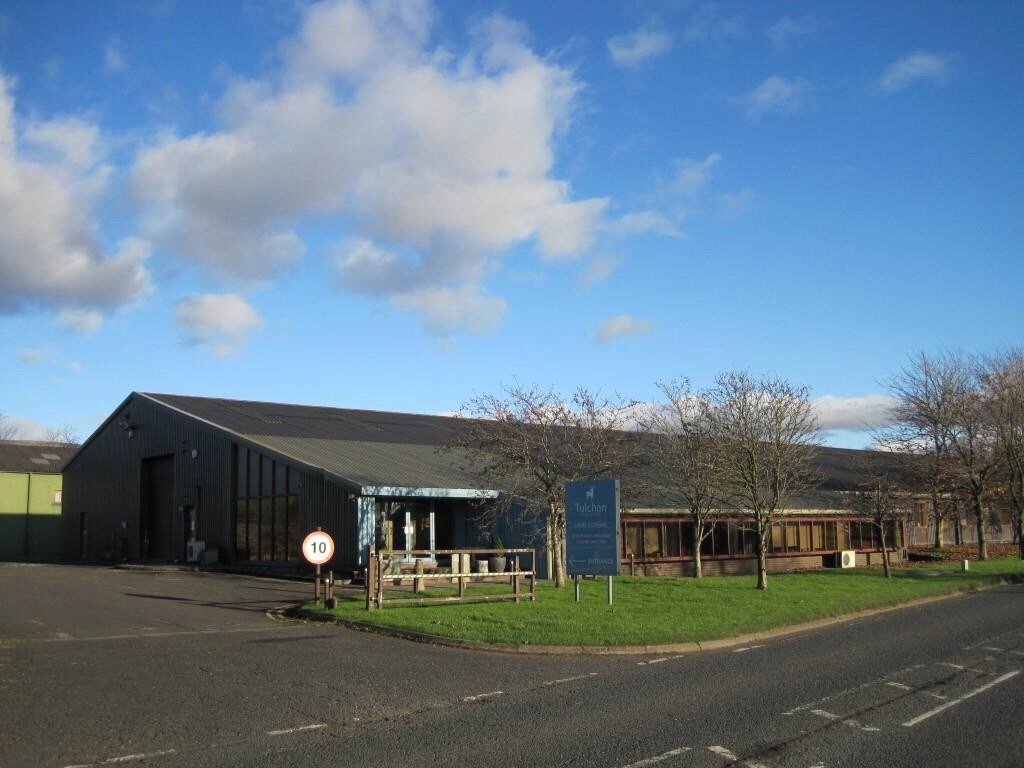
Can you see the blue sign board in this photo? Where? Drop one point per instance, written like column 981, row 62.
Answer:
column 592, row 527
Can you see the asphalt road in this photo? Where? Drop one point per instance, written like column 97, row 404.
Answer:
column 110, row 667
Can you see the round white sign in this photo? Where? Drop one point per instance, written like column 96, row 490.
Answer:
column 318, row 547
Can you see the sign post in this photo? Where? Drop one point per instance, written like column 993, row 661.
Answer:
column 318, row 548
column 592, row 530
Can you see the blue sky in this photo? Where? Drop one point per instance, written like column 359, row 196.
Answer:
column 399, row 205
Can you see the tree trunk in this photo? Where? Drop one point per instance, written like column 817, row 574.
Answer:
column 698, row 536
column 885, row 552
column 937, row 516
column 558, row 545
column 980, row 513
column 762, row 554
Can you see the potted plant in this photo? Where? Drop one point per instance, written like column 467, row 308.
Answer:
column 496, row 563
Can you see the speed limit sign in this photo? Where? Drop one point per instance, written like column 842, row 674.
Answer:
column 318, row 547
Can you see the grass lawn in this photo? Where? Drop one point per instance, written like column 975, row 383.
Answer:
column 650, row 610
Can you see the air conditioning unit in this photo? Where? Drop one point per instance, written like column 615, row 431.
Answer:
column 846, row 559
column 194, row 550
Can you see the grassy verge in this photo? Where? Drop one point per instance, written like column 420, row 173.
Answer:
column 650, row 611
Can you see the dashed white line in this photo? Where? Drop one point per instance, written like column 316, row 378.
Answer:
column 563, row 680
column 951, row 666
column 300, row 729
column 125, row 759
column 481, row 696
column 658, row 758
column 901, row 686
column 728, row 755
column 652, row 661
column 992, row 648
column 1017, row 653
column 954, row 702
column 850, row 722
column 748, row 648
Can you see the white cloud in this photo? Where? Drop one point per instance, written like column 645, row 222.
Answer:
column 447, row 159
column 35, row 355
column 51, row 254
column 709, row 25
column 25, row 429
column 221, row 321
column 644, row 222
column 639, row 46
column 691, row 176
column 913, row 68
column 598, row 270
column 113, row 59
column 80, row 320
column 619, row 326
column 775, row 94
column 853, row 413
column 787, row 29
column 449, row 310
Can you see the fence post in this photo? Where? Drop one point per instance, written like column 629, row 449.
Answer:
column 463, row 559
column 533, row 575
column 515, row 576
column 417, row 582
column 370, row 571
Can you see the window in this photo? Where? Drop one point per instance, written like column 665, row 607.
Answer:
column 652, row 540
column 266, row 508
column 921, row 511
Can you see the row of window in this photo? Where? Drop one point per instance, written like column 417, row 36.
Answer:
column 673, row 538
column 266, row 508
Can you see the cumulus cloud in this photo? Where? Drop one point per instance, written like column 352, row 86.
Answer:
column 223, row 322
column 113, row 59
column 447, row 310
column 51, row 254
column 854, row 413
column 914, row 68
column 776, row 95
column 788, row 30
column 644, row 222
column 621, row 325
column 435, row 162
column 639, row 46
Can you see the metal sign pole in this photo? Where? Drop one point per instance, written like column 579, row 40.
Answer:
column 609, row 590
column 576, row 578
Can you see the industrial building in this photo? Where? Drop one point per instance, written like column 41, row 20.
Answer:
column 31, row 491
column 182, row 478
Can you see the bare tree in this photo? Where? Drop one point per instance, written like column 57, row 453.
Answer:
column 8, row 431
column 63, row 435
column 530, row 442
column 973, row 438
column 923, row 390
column 881, row 498
column 1003, row 379
column 770, row 434
column 687, row 458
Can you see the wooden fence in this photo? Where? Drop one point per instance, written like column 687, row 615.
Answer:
column 416, row 571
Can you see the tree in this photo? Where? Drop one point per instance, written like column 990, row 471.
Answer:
column 8, row 431
column 63, row 435
column 686, row 458
column 881, row 499
column 529, row 442
column 1003, row 379
column 922, row 418
column 972, row 438
column 769, row 435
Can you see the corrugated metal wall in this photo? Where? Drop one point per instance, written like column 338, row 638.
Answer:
column 103, row 484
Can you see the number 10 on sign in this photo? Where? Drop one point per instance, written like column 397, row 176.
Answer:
column 318, row 548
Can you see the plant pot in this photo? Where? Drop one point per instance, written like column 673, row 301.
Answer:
column 496, row 564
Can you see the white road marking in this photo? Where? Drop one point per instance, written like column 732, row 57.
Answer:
column 1017, row 653
column 854, row 689
column 951, row 666
column 728, row 755
column 570, row 679
column 954, row 702
column 652, row 661
column 63, row 637
column 658, row 758
column 481, row 696
column 850, row 722
column 901, row 686
column 300, row 729
column 992, row 648
column 125, row 759
column 936, row 695
column 748, row 648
